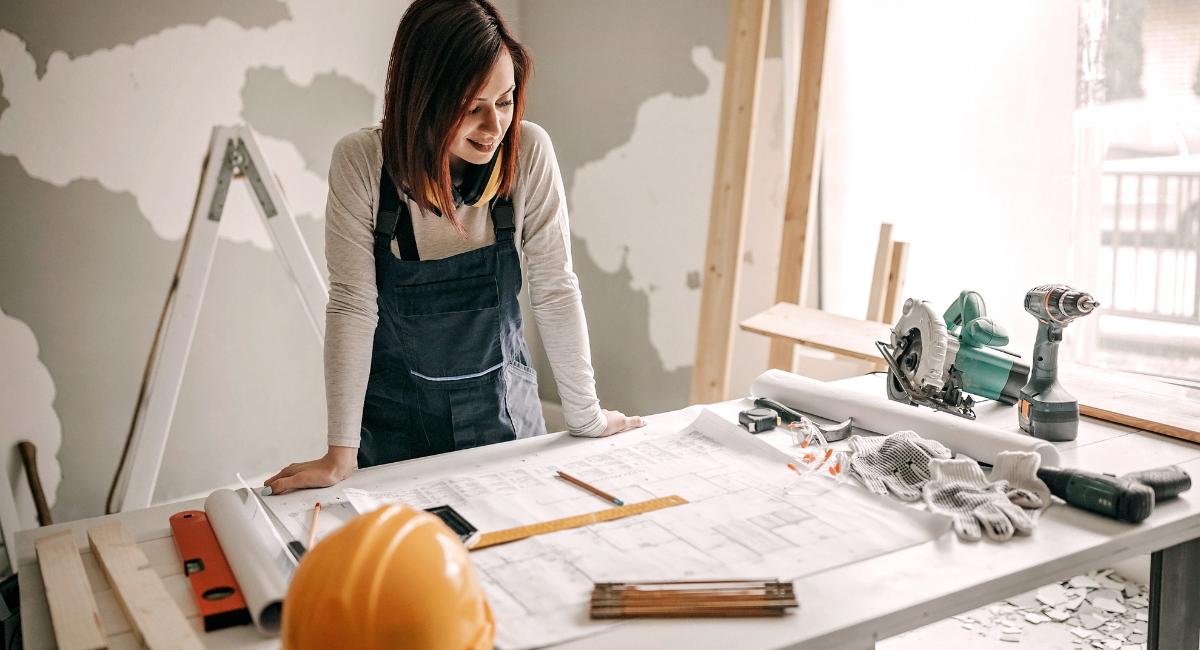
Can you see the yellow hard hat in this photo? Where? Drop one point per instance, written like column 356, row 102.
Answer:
column 393, row 578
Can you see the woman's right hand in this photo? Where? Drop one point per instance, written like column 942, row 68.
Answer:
column 333, row 467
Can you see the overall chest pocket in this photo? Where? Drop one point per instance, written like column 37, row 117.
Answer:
column 450, row 331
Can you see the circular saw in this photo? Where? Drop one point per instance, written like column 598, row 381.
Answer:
column 945, row 362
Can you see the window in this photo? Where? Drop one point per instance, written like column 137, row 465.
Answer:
column 1137, row 140
column 1017, row 144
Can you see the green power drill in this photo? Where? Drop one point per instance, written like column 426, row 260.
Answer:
column 1130, row 497
column 1046, row 409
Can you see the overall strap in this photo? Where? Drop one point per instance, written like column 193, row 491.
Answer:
column 502, row 218
column 394, row 220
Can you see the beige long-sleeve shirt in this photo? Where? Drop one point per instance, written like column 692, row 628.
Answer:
column 543, row 241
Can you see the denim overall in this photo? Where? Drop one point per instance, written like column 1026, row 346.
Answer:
column 449, row 368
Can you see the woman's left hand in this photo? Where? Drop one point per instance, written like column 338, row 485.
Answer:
column 618, row 422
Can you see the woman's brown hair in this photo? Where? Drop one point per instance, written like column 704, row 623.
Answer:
column 441, row 58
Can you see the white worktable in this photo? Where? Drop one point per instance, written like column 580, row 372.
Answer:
column 849, row 607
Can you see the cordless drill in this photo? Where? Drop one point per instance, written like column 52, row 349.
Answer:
column 1130, row 497
column 1046, row 409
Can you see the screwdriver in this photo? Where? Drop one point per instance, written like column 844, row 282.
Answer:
column 1130, row 497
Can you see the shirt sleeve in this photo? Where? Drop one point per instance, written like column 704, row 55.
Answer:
column 352, row 312
column 553, row 287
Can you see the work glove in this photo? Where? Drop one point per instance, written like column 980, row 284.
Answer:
column 898, row 463
column 1019, row 469
column 981, row 506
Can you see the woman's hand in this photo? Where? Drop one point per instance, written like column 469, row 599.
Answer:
column 333, row 467
column 618, row 422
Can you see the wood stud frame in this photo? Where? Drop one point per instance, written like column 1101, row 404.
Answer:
column 722, row 260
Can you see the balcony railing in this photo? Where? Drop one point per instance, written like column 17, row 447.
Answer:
column 1149, row 256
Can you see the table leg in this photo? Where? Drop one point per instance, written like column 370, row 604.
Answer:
column 1175, row 598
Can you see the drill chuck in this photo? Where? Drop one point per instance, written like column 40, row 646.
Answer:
column 1059, row 303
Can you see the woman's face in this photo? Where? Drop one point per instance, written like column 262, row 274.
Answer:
column 488, row 116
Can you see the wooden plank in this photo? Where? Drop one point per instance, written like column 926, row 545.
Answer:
column 803, row 171
column 1191, row 435
column 38, row 633
column 1136, row 401
column 851, row 337
column 894, row 296
column 883, row 263
column 152, row 614
column 722, row 260
column 73, row 611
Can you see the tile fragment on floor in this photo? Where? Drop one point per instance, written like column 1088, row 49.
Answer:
column 1100, row 610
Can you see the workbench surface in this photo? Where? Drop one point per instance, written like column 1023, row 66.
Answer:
column 849, row 607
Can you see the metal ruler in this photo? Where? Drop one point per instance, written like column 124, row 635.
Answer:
column 577, row 521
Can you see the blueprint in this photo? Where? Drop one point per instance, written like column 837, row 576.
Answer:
column 748, row 516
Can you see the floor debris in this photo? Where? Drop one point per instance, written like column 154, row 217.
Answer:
column 1101, row 610
column 1084, row 581
column 1057, row 615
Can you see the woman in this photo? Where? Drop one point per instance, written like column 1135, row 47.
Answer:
column 428, row 221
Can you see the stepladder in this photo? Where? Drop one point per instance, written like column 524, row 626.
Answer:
column 233, row 155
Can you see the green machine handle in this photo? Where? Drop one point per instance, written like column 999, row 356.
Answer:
column 969, row 312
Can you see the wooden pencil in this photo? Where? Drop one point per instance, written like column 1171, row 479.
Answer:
column 312, row 528
column 590, row 488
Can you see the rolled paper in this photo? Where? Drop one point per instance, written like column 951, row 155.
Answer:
column 262, row 567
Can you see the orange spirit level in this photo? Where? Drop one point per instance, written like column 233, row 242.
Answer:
column 214, row 588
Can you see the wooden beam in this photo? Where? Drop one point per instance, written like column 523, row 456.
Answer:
column 802, row 172
column 153, row 615
column 849, row 337
column 731, row 179
column 1135, row 401
column 894, row 296
column 883, row 265
column 73, row 611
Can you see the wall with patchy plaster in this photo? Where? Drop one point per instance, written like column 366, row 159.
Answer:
column 633, row 104
column 105, row 119
column 104, row 124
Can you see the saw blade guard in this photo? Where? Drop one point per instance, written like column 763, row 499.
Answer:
column 921, row 321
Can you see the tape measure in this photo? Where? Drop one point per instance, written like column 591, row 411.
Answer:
column 577, row 521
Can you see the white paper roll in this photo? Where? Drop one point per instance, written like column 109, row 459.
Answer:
column 261, row 567
column 881, row 415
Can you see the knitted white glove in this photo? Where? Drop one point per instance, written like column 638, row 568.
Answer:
column 978, row 506
column 898, row 463
column 1019, row 469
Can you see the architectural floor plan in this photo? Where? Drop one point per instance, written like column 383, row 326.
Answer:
column 748, row 516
